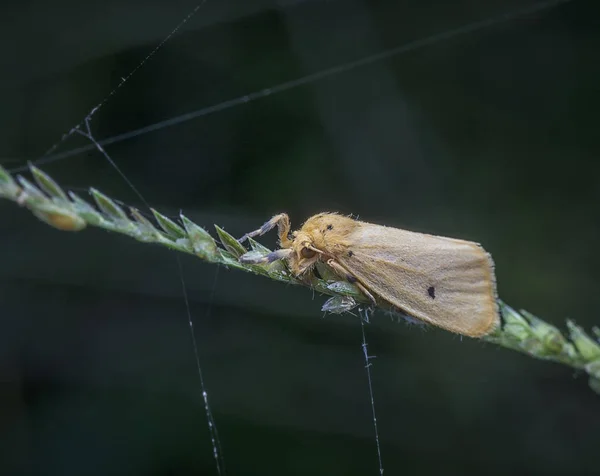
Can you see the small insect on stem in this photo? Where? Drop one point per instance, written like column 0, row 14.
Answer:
column 445, row 282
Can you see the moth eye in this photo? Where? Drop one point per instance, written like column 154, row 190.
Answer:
column 308, row 253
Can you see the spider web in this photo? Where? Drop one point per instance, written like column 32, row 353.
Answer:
column 84, row 129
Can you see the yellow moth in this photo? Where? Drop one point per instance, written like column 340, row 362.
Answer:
column 445, row 282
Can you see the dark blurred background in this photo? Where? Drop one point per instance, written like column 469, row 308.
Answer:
column 489, row 136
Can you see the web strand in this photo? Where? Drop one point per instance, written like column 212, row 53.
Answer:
column 286, row 86
column 212, row 427
column 368, row 364
column 124, row 80
column 87, row 133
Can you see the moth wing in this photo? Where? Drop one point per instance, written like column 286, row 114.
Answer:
column 446, row 282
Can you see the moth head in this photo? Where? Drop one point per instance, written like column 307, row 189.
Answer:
column 305, row 254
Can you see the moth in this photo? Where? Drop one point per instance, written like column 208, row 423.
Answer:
column 446, row 282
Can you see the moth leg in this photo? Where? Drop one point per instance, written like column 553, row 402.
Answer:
column 250, row 258
column 282, row 222
column 343, row 272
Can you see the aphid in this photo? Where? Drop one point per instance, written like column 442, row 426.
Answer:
column 445, row 282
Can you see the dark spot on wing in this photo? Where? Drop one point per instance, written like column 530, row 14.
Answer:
column 431, row 292
column 351, row 279
column 350, row 253
column 330, row 227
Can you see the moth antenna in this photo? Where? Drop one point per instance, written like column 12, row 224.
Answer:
column 316, row 250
